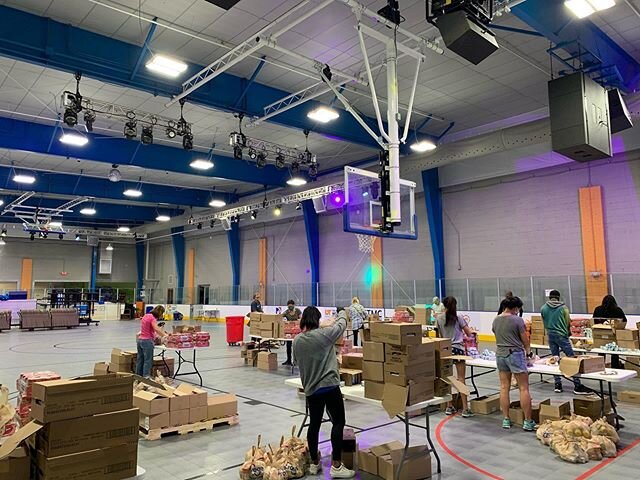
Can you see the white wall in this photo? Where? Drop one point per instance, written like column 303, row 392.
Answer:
column 213, row 264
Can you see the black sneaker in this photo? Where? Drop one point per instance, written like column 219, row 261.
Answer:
column 287, row 363
column 558, row 389
column 581, row 390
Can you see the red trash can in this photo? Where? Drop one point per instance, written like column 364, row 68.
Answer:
column 235, row 330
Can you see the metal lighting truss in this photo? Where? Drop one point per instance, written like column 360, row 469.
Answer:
column 38, row 219
column 106, row 233
column 264, row 146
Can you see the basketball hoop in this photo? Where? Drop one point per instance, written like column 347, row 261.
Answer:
column 365, row 243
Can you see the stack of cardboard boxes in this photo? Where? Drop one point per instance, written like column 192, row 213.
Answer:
column 171, row 407
column 351, row 367
column 383, row 461
column 602, row 335
column 24, row 385
column 628, row 339
column 266, row 325
column 267, row 361
column 538, row 333
column 124, row 361
column 417, row 314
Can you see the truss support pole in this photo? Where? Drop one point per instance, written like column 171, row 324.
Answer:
column 394, row 134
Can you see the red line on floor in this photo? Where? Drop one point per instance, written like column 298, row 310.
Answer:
column 606, row 462
column 456, row 456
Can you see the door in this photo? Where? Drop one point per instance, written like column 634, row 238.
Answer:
column 203, row 294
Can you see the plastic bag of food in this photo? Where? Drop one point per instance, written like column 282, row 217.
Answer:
column 545, row 432
column 601, row 427
column 252, row 470
column 255, row 452
column 558, row 424
column 571, row 452
column 607, row 447
column 586, row 420
column 575, row 430
column 594, row 452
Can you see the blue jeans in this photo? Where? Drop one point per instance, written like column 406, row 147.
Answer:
column 558, row 343
column 145, row 358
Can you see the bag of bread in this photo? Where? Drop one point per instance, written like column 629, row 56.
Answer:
column 253, row 468
column 575, row 430
column 557, row 439
column 607, row 447
column 586, row 420
column 558, row 424
column 601, row 427
column 571, row 452
column 255, row 451
column 544, row 432
column 594, row 452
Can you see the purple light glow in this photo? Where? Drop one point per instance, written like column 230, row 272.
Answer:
column 336, row 199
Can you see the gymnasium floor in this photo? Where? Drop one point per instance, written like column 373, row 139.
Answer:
column 268, row 407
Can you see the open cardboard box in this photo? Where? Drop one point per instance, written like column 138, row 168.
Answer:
column 14, row 459
column 570, row 366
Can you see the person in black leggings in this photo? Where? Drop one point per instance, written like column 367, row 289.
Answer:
column 314, row 353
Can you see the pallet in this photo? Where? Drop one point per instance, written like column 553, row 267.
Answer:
column 158, row 433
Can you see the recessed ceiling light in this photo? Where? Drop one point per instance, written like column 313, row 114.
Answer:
column 201, row 164
column 124, row 229
column 74, row 139
column 56, row 223
column 24, row 178
column 167, row 66
column 296, row 181
column 423, row 146
column 215, row 203
column 323, row 114
column 163, row 218
column 109, row 248
column 88, row 211
column 132, row 192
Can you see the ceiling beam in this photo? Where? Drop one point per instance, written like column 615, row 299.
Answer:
column 49, row 43
column 38, row 138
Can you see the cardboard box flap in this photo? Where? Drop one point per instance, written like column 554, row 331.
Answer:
column 394, row 399
column 144, row 395
column 14, row 441
column 458, row 385
column 385, row 448
column 350, row 371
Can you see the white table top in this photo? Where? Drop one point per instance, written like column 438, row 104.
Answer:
column 175, row 349
column 274, row 339
column 355, row 393
column 546, row 347
column 608, row 376
column 630, row 353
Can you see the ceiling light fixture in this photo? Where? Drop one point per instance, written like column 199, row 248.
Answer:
column 74, row 139
column 299, row 206
column 296, row 181
column 163, row 218
column 88, row 211
column 32, row 237
column 109, row 248
column 124, row 229
column 146, row 137
column 61, row 236
column 252, row 153
column 131, row 127
column 201, row 164
column 280, row 161
column 132, row 192
column 323, row 114
column 254, row 215
column 24, row 178
column 2, row 242
column 89, row 118
column 199, row 226
column 277, row 211
column 584, row 8
column 423, row 146
column 261, row 161
column 3, row 233
column 187, row 141
column 114, row 174
column 77, row 237
column 167, row 66
column 216, row 203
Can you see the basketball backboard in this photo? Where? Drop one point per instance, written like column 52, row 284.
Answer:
column 362, row 211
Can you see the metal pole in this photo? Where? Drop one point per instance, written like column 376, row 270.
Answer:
column 533, row 301
column 611, row 284
column 333, row 285
column 468, row 295
column 415, row 293
column 392, row 301
column 394, row 134
column 570, row 293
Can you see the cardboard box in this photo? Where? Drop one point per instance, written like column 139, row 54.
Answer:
column 485, row 405
column 350, row 460
column 270, row 318
column 571, row 366
column 220, row 406
column 373, row 371
column 179, row 402
column 591, row 406
column 266, row 330
column 254, row 329
column 629, row 396
column 373, row 390
column 255, row 317
column 443, row 346
column 422, row 315
column 16, row 466
column 112, row 463
column 538, row 339
column 400, row 374
column 351, row 377
column 352, row 361
column 64, row 399
column 101, row 368
column 198, row 414
column 410, row 354
column 441, row 388
column 443, row 367
column 554, row 411
column 165, row 367
column 197, row 397
column 178, row 417
column 367, row 461
column 602, row 334
column 516, row 413
column 267, row 361
column 396, row 333
column 535, row 409
column 415, row 468
column 629, row 344
column 154, row 422
column 97, row 431
column 396, row 398
column 374, row 352
column 349, row 444
column 627, row 335
column 150, row 403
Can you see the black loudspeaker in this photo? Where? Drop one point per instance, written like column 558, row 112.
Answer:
column 226, row 4
column 618, row 113
column 579, row 113
column 466, row 37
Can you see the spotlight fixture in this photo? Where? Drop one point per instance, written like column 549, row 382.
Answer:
column 1, row 202
column 146, row 137
column 77, row 237
column 584, row 8
column 167, row 66
column 216, row 203
column 3, row 233
column 201, row 164
column 132, row 192
column 212, row 223
column 277, row 211
column 199, row 226
column 296, row 179
column 74, row 139
column 252, row 153
column 237, row 152
column 191, row 220
column 89, row 118
column 187, row 141
column 74, row 104
column 299, row 206
column 109, row 248
column 88, row 211
column 323, row 114
column 114, row 174
column 163, row 218
column 24, row 178
column 171, row 129
column 254, row 215
column 61, row 236
column 131, row 127
column 124, row 229
column 280, row 161
column 423, row 146
column 45, row 235
column 70, row 116
column 2, row 242
column 313, row 170
column 365, row 192
column 32, row 237
column 261, row 162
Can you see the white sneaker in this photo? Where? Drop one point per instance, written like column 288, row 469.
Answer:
column 341, row 472
column 315, row 469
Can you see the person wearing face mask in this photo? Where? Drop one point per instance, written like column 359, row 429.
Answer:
column 291, row 314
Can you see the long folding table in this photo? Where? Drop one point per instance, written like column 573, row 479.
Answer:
column 355, row 393
column 181, row 360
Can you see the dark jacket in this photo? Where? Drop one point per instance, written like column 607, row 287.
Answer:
column 256, row 306
column 614, row 312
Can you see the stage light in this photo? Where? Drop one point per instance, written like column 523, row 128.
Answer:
column 88, row 211
column 216, row 203
column 199, row 226
column 132, row 192
column 1, row 202
column 61, row 236
column 74, row 139
column 277, row 211
column 131, row 129
column 32, row 237
column 89, row 118
column 191, row 220
column 212, row 223
column 299, row 206
column 584, row 8
column 114, row 174
column 323, row 114
column 77, row 237
column 24, row 178
column 167, row 66
column 56, row 224
column 201, row 164
column 254, row 215
column 3, row 233
column 71, row 116
column 237, row 152
column 280, row 161
column 45, row 235
column 313, row 170
column 124, row 229
column 2, row 242
column 109, row 248
column 336, row 199
column 365, row 192
column 146, row 137
column 423, row 146
column 262, row 160
column 171, row 129
column 252, row 153
column 163, row 218
column 187, row 141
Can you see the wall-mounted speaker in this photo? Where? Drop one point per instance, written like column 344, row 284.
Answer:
column 618, row 112
column 319, row 205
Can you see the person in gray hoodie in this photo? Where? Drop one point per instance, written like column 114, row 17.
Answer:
column 557, row 322
column 314, row 354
